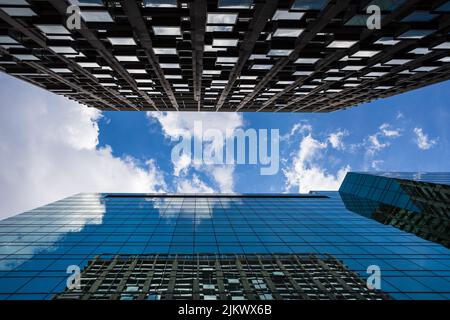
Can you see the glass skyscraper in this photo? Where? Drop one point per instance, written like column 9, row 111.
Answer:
column 414, row 202
column 314, row 232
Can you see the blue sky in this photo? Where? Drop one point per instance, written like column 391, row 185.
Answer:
column 426, row 110
column 52, row 147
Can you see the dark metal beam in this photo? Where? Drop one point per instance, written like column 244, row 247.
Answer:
column 134, row 15
column 70, row 84
column 198, row 13
column 331, row 11
column 61, row 7
column 321, row 65
column 407, row 7
column 344, row 96
column 263, row 12
column 38, row 39
column 132, row 19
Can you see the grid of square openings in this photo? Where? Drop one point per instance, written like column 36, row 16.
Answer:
column 226, row 54
column 224, row 277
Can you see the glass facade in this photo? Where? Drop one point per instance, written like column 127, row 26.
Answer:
column 411, row 202
column 431, row 177
column 38, row 246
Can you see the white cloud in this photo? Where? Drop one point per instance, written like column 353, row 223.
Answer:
column 194, row 185
column 224, row 177
column 301, row 128
column 376, row 164
column 181, row 165
column 335, row 139
column 380, row 140
column 387, row 131
column 422, row 140
column 49, row 150
column 374, row 144
column 305, row 174
column 176, row 125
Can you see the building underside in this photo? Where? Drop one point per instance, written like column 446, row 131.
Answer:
column 226, row 55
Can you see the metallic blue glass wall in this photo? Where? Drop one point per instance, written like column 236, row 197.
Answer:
column 38, row 246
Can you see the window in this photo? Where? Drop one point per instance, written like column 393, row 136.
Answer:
column 122, row 41
column 420, row 51
column 173, row 76
column 284, row 32
column 144, row 81
column 234, row 4
column 127, row 58
column 357, row 20
column 279, row 52
column 102, row 76
column 398, row 61
column 136, row 71
column 258, row 56
column 443, row 46
column 89, row 64
column 285, row 82
column 219, row 28
column 160, row 3
column 419, row 16
column 387, row 5
column 262, row 66
column 25, row 57
column 167, row 31
column 444, row 8
column 222, row 18
column 19, row 12
column 7, row 39
column 287, row 15
column 62, row 49
column 307, row 60
column 96, row 16
column 227, row 59
column 341, row 44
column 162, row 51
column 333, row 78
column 56, row 37
column 225, row 42
column 61, row 70
column 87, row 3
column 52, row 28
column 387, row 41
column 415, row 34
column 15, row 2
column 425, row 69
column 375, row 74
column 365, row 53
column 170, row 65
column 309, row 4
column 302, row 73
column 353, row 68
column 211, row 72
